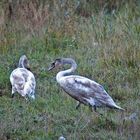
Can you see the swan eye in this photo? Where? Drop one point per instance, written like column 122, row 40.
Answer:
column 53, row 63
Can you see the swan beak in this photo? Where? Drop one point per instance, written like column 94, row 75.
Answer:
column 51, row 67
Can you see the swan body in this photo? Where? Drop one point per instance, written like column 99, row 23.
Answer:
column 82, row 89
column 23, row 80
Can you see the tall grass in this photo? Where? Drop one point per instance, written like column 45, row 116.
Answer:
column 106, row 48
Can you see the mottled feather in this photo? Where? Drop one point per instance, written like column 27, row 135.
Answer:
column 23, row 80
column 82, row 89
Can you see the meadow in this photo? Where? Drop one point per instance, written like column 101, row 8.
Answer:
column 105, row 43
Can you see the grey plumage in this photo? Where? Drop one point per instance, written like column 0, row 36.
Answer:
column 23, row 80
column 82, row 89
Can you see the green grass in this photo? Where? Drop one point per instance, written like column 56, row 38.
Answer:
column 106, row 49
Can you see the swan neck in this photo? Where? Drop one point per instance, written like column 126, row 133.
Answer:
column 21, row 64
column 68, row 71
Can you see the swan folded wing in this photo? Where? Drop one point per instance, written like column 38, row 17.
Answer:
column 81, row 87
column 75, row 86
column 30, row 85
column 18, row 81
column 23, row 80
column 101, row 95
column 19, row 75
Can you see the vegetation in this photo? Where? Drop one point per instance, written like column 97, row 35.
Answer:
column 103, row 37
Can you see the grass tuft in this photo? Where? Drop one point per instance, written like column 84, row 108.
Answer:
column 102, row 37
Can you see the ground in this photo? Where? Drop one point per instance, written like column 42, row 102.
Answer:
column 106, row 49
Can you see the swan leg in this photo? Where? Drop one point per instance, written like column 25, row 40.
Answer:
column 26, row 98
column 95, row 110
column 12, row 96
column 13, row 91
column 78, row 105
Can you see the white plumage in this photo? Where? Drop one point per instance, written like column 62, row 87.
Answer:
column 82, row 89
column 23, row 80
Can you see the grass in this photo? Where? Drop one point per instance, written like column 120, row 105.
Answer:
column 106, row 49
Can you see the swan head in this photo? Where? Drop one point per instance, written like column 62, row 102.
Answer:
column 24, row 62
column 55, row 64
column 59, row 62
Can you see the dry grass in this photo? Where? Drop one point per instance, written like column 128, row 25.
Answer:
column 106, row 49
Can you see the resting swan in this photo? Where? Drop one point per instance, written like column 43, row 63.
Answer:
column 82, row 89
column 22, row 80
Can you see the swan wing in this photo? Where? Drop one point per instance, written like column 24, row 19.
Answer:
column 29, row 87
column 23, row 81
column 18, row 78
column 84, row 89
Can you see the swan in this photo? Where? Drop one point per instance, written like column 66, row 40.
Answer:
column 23, row 80
column 84, row 90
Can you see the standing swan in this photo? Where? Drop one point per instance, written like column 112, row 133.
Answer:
column 22, row 80
column 81, row 88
